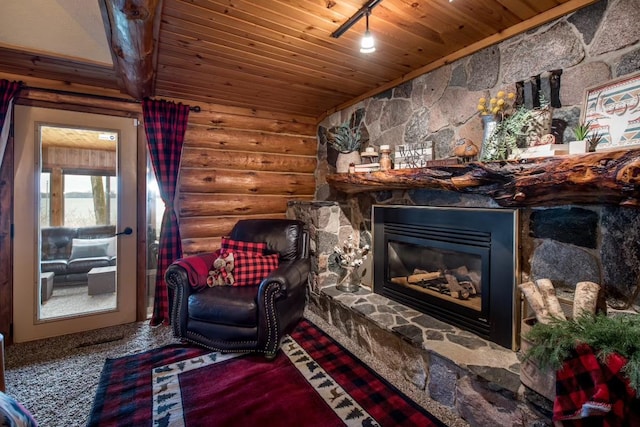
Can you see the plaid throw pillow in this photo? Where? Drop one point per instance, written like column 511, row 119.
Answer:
column 229, row 245
column 251, row 268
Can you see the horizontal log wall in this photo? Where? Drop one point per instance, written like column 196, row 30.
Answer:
column 237, row 164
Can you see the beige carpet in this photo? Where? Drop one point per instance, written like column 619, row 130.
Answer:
column 57, row 378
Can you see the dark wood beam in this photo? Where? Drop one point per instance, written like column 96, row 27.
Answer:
column 132, row 28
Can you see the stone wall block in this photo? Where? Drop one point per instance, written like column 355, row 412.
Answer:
column 577, row 226
column 620, row 249
column 542, row 52
column 481, row 406
column 404, row 90
column 417, row 128
column 557, row 262
column 400, row 356
column 588, row 19
column 458, row 74
column 619, row 27
column 434, row 84
column 342, row 318
column 575, row 80
column 442, row 381
column 391, row 137
column 483, row 69
column 472, row 130
column 443, row 142
column 320, row 306
column 628, row 63
column 456, row 106
column 363, row 334
column 394, row 113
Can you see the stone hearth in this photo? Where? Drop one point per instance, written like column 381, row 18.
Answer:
column 475, row 378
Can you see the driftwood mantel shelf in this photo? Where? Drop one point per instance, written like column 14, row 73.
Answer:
column 607, row 177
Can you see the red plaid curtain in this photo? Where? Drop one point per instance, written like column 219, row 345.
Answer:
column 165, row 123
column 7, row 91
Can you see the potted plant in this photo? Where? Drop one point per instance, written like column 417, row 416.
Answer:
column 593, row 140
column 581, row 132
column 346, row 139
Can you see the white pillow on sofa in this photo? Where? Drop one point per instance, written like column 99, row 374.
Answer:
column 85, row 248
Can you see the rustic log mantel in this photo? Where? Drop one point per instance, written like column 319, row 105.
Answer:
column 607, row 177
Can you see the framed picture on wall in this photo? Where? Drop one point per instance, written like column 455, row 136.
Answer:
column 614, row 111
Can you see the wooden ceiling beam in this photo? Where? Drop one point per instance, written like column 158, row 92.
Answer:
column 132, row 28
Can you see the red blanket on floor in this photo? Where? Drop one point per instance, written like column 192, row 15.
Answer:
column 590, row 393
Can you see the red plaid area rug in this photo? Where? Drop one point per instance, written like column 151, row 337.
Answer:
column 313, row 381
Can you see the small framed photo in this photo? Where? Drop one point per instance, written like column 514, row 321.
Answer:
column 614, row 111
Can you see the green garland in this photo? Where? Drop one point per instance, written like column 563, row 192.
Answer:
column 553, row 342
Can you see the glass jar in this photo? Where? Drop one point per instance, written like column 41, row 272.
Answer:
column 385, row 158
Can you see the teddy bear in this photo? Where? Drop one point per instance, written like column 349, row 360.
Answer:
column 221, row 274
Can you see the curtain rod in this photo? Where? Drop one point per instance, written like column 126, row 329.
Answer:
column 195, row 109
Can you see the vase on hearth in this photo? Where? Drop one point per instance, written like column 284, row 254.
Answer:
column 349, row 280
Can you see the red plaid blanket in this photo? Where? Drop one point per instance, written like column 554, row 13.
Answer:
column 589, row 393
column 197, row 267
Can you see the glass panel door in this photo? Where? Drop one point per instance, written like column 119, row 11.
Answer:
column 74, row 222
column 78, row 217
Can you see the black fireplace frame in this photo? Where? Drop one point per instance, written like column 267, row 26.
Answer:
column 491, row 234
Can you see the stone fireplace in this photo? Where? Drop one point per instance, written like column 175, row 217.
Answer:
column 455, row 264
column 455, row 367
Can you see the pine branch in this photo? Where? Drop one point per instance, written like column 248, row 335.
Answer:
column 553, row 342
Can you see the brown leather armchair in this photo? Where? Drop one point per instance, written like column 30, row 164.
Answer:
column 245, row 318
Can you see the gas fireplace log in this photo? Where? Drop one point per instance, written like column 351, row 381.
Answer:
column 601, row 177
column 468, row 287
column 586, row 298
column 423, row 276
column 465, row 276
column 548, row 293
column 456, row 291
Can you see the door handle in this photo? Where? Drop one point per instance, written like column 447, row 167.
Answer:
column 127, row 231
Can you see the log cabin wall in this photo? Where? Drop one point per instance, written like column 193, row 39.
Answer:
column 240, row 164
column 590, row 47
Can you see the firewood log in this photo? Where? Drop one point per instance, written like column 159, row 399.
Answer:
column 534, row 298
column 586, row 298
column 456, row 291
column 423, row 277
column 548, row 293
column 463, row 275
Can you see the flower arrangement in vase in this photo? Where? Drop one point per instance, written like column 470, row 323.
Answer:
column 512, row 124
column 350, row 257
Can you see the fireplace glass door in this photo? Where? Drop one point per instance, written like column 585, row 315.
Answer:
column 453, row 275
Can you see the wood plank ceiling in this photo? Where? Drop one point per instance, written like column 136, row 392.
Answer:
column 278, row 55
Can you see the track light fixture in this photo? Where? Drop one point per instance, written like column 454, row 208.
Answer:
column 364, row 11
column 367, row 45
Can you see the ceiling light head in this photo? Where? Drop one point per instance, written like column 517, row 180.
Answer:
column 368, row 44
